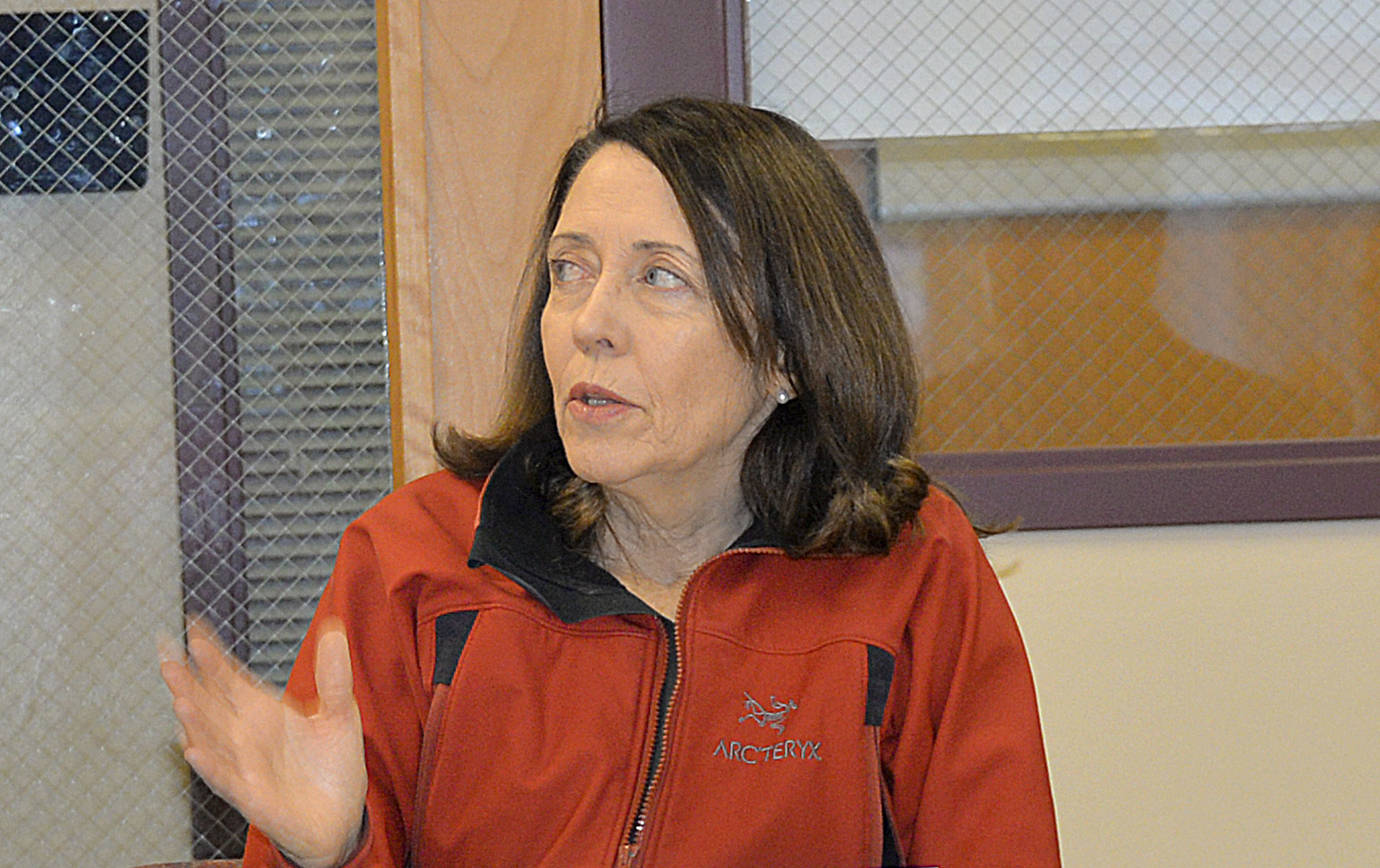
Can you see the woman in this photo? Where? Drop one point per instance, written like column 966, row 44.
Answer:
column 691, row 604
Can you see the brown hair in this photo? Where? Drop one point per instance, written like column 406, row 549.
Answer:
column 798, row 281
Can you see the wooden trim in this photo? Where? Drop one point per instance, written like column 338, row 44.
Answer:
column 479, row 101
column 506, row 92
column 402, row 127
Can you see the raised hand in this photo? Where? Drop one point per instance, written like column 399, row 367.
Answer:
column 295, row 773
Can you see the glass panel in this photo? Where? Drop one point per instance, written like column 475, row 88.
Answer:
column 74, row 101
column 1133, row 251
column 193, row 383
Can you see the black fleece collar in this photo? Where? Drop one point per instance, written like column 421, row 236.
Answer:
column 518, row 537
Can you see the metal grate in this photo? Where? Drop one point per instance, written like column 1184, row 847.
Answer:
column 194, row 374
column 1111, row 223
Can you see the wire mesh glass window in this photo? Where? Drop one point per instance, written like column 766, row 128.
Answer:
column 1111, row 223
column 195, row 378
column 73, row 101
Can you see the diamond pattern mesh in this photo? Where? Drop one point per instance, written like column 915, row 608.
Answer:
column 73, row 101
column 1110, row 223
column 193, row 384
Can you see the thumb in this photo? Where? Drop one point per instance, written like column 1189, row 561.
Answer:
column 334, row 680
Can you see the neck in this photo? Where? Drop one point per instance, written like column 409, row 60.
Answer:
column 666, row 546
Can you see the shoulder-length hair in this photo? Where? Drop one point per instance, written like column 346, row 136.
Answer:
column 799, row 284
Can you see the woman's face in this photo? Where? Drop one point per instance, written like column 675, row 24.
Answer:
column 651, row 399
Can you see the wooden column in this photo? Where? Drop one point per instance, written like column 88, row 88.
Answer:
column 479, row 100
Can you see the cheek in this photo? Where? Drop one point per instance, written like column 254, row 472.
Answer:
column 678, row 377
column 550, row 344
column 706, row 389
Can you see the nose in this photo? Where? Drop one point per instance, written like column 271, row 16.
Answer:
column 599, row 324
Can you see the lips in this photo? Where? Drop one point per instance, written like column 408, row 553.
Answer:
column 594, row 405
column 591, row 395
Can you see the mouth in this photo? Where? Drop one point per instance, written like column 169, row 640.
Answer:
column 591, row 395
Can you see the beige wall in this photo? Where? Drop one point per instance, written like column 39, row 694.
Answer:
column 1210, row 695
column 88, row 529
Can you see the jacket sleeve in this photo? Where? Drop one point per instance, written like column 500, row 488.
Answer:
column 379, row 622
column 962, row 742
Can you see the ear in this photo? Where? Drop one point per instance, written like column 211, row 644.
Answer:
column 779, row 387
column 778, row 381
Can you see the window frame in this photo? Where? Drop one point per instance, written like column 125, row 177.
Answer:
column 205, row 377
column 1116, row 486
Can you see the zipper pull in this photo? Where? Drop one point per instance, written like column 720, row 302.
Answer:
column 626, row 854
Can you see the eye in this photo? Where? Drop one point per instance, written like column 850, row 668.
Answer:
column 662, row 278
column 564, row 271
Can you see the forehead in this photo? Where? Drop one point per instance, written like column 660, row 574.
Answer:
column 619, row 191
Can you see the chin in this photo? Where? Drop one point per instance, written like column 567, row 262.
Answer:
column 594, row 464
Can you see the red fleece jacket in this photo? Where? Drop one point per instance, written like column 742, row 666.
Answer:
column 521, row 708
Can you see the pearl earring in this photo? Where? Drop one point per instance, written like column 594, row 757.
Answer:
column 782, row 396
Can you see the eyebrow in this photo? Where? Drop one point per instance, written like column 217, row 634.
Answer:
column 582, row 238
column 577, row 237
column 665, row 245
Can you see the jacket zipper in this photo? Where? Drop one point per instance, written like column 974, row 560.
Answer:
column 670, row 685
column 670, row 682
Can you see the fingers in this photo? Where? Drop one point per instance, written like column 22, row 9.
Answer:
column 214, row 666
column 211, row 699
column 276, row 762
column 206, row 675
column 202, row 741
column 172, row 665
column 177, row 670
column 173, row 668
column 208, row 689
column 201, row 714
column 334, row 679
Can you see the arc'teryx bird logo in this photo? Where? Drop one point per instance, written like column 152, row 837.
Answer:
column 776, row 718
column 785, row 750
